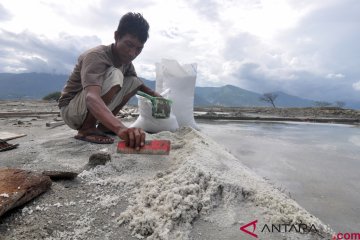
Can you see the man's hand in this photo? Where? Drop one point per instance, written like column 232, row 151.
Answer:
column 133, row 137
column 149, row 91
column 157, row 95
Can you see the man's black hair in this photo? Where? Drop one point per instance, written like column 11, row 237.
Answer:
column 134, row 24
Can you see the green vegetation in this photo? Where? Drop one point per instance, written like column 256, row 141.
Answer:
column 52, row 96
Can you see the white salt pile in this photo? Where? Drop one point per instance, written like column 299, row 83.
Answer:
column 166, row 206
column 202, row 178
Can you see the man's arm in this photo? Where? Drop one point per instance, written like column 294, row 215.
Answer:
column 131, row 72
column 149, row 91
column 134, row 137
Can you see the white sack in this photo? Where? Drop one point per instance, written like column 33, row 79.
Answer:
column 159, row 78
column 181, row 80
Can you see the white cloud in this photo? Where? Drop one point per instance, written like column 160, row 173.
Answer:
column 4, row 14
column 307, row 48
column 29, row 52
column 356, row 86
column 335, row 75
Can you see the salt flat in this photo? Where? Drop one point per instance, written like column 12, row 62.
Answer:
column 199, row 191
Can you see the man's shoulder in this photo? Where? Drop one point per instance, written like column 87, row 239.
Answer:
column 98, row 50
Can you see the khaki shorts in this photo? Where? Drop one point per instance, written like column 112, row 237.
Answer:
column 75, row 113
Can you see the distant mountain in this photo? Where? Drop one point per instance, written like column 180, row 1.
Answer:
column 286, row 100
column 38, row 85
column 30, row 85
column 353, row 105
column 228, row 95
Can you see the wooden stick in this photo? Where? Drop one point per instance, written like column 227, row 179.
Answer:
column 55, row 124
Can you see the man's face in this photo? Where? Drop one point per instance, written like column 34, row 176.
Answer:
column 127, row 48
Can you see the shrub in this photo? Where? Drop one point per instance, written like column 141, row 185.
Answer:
column 52, row 96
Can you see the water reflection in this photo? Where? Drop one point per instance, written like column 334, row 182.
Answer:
column 317, row 163
column 355, row 140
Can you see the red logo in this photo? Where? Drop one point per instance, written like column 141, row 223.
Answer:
column 253, row 223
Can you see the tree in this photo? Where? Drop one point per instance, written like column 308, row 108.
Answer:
column 269, row 98
column 52, row 96
column 340, row 104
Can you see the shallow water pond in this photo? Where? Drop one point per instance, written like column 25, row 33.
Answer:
column 317, row 164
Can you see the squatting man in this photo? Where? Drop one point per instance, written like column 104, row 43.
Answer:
column 102, row 82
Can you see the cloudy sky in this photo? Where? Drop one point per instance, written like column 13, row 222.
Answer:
column 302, row 47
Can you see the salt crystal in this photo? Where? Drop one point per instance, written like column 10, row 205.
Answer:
column 38, row 208
column 57, row 205
column 4, row 195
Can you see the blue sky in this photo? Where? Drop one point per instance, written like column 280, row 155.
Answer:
column 305, row 48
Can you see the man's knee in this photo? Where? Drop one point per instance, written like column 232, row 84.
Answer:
column 129, row 88
column 113, row 77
